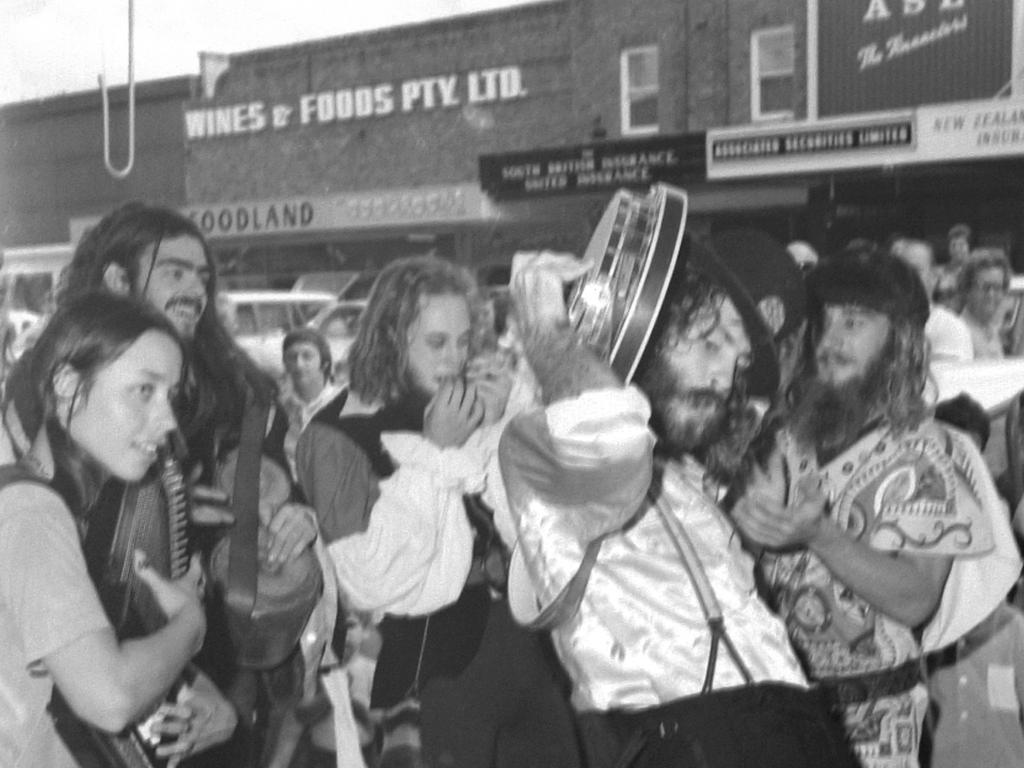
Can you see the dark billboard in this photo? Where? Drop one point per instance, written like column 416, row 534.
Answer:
column 594, row 167
column 888, row 54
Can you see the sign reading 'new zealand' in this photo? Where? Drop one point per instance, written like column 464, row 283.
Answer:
column 889, row 54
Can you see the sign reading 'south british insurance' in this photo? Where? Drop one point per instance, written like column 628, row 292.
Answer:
column 351, row 103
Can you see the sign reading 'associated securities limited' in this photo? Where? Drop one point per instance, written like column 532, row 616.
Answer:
column 933, row 133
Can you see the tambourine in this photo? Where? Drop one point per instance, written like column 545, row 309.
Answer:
column 633, row 251
column 613, row 309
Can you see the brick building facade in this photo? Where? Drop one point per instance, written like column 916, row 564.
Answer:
column 51, row 158
column 379, row 134
column 346, row 152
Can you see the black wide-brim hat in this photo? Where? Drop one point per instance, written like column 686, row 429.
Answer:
column 640, row 251
column 763, row 372
column 866, row 276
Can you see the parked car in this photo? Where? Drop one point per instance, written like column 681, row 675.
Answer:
column 334, row 281
column 23, row 319
column 997, row 386
column 27, row 327
column 338, row 322
column 259, row 320
column 359, row 287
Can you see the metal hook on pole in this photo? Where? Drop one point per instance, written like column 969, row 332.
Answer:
column 121, row 173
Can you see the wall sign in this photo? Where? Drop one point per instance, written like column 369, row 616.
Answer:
column 965, row 130
column 808, row 147
column 357, row 102
column 254, row 218
column 593, row 167
column 889, row 54
column 970, row 130
column 389, row 207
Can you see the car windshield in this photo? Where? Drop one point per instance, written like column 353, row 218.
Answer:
column 360, row 287
column 340, row 322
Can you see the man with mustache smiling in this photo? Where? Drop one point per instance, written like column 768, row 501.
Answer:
column 161, row 256
column 883, row 535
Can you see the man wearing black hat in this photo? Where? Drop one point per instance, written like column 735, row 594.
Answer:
column 884, row 535
column 625, row 559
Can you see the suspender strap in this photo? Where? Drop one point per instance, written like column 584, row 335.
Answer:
column 567, row 601
column 243, row 562
column 705, row 594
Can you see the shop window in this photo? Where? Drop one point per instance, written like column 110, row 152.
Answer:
column 639, row 83
column 772, row 73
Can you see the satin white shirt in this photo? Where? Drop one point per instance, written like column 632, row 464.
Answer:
column 639, row 638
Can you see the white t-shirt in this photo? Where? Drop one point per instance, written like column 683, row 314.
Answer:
column 948, row 336
column 985, row 338
column 47, row 601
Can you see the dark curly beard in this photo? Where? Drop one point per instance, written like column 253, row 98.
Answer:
column 713, row 427
column 831, row 417
column 685, row 421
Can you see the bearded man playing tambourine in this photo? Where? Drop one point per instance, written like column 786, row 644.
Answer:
column 623, row 552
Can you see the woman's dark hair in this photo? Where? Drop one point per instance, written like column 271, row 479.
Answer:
column 222, row 373
column 378, row 357
column 87, row 334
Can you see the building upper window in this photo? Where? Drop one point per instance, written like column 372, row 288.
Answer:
column 772, row 57
column 639, row 76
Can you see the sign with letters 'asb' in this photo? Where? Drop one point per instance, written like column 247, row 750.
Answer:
column 889, row 54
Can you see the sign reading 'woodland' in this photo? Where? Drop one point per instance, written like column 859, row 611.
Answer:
column 359, row 102
column 886, row 54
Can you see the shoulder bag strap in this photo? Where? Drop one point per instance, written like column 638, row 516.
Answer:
column 17, row 473
column 705, row 594
column 243, row 560
column 567, row 602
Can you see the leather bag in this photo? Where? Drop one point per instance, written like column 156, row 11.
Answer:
column 266, row 606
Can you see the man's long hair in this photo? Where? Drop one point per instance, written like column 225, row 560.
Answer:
column 378, row 357
column 862, row 275
column 900, row 376
column 223, row 373
column 690, row 294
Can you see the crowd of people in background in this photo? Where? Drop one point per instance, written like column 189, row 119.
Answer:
column 766, row 544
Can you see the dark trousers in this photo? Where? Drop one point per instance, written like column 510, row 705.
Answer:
column 507, row 709
column 761, row 726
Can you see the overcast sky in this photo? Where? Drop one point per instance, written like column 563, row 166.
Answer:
column 58, row 46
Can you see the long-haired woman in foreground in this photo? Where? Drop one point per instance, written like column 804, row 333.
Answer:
column 104, row 371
